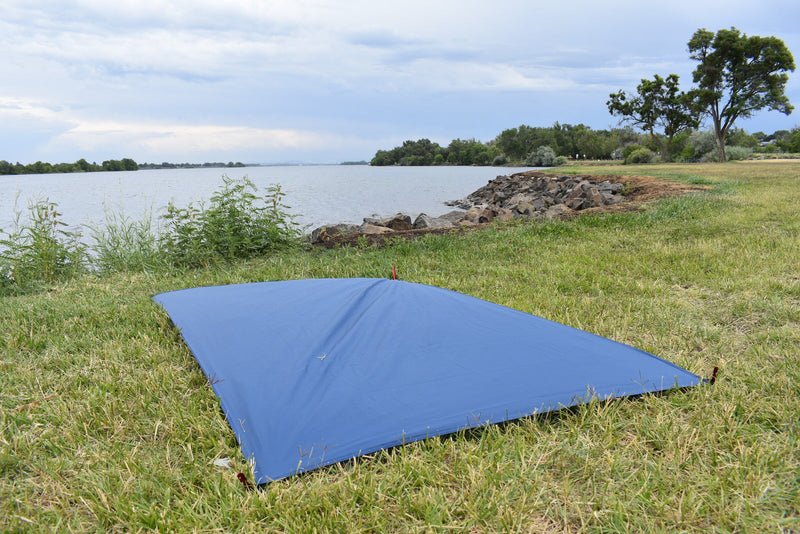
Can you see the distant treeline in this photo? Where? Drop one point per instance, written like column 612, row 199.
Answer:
column 124, row 164
column 166, row 165
column 520, row 145
column 512, row 145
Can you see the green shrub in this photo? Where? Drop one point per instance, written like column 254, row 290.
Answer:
column 39, row 251
column 701, row 142
column 560, row 160
column 499, row 160
column 237, row 224
column 766, row 149
column 542, row 157
column 630, row 149
column 732, row 153
column 640, row 155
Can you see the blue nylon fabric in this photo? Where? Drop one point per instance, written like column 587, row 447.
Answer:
column 313, row 372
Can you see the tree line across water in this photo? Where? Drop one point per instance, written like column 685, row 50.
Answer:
column 124, row 164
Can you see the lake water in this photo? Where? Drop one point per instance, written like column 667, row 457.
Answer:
column 316, row 194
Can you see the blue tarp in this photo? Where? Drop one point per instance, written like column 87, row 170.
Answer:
column 313, row 372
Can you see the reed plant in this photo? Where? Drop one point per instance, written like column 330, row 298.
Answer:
column 124, row 244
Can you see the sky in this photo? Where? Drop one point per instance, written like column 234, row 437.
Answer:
column 321, row 81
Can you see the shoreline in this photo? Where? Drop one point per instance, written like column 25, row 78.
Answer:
column 638, row 190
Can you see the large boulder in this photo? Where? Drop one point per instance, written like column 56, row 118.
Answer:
column 426, row 221
column 452, row 216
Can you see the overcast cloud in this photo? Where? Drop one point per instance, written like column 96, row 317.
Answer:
column 325, row 81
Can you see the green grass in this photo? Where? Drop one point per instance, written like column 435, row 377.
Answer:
column 109, row 424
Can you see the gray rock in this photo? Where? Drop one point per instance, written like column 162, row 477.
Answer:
column 525, row 208
column 594, row 197
column 367, row 228
column 426, row 221
column 472, row 215
column 399, row 221
column 452, row 216
column 503, row 214
column 556, row 211
column 608, row 187
column 324, row 233
column 575, row 203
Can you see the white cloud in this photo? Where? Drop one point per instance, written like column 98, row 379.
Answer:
column 187, row 139
column 12, row 108
column 176, row 78
column 153, row 138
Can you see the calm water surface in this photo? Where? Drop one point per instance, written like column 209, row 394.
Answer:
column 316, row 194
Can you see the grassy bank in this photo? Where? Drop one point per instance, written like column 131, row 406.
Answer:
column 109, row 424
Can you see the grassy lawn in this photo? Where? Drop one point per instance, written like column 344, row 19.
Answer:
column 109, row 424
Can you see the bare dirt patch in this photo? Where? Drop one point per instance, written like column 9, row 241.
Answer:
column 639, row 190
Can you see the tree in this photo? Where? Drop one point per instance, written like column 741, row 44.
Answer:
column 791, row 142
column 112, row 165
column 129, row 165
column 739, row 137
column 658, row 105
column 83, row 166
column 737, row 76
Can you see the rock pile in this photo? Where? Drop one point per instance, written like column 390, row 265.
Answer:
column 533, row 195
column 395, row 223
column 542, row 195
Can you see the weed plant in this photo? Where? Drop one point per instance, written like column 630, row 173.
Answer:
column 39, row 250
column 107, row 423
column 237, row 224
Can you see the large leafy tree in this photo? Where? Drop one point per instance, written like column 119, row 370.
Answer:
column 658, row 106
column 738, row 75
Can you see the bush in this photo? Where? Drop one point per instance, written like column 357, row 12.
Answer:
column 766, row 149
column 701, row 142
column 542, row 157
column 640, row 155
column 630, row 149
column 237, row 224
column 499, row 160
column 39, row 251
column 732, row 153
column 560, row 160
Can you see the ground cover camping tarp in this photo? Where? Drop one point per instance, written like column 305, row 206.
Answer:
column 313, row 372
